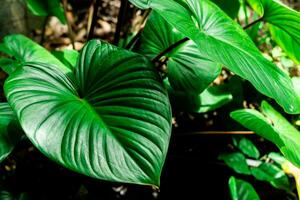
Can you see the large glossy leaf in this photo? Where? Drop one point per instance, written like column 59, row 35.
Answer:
column 222, row 40
column 10, row 132
column 23, row 50
column 47, row 8
column 242, row 190
column 187, row 69
column 272, row 174
column 109, row 119
column 236, row 161
column 271, row 125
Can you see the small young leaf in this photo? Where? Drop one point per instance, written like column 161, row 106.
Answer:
column 241, row 190
column 248, row 148
column 236, row 161
column 109, row 118
column 271, row 125
column 272, row 174
column 47, row 8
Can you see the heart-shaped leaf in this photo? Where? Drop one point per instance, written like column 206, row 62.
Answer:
column 109, row 118
column 188, row 70
column 10, row 132
column 23, row 50
column 222, row 40
column 271, row 125
column 47, row 8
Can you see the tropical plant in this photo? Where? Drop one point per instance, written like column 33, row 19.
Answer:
column 105, row 111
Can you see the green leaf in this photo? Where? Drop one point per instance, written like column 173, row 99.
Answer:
column 212, row 98
column 47, row 8
column 271, row 125
column 188, row 70
column 248, row 148
column 143, row 4
column 109, row 119
column 230, row 7
column 10, row 132
column 236, row 161
column 67, row 57
column 23, row 50
column 222, row 40
column 286, row 42
column 296, row 82
column 284, row 25
column 272, row 174
column 257, row 5
column 241, row 190
column 5, row 195
column 8, row 65
column 277, row 157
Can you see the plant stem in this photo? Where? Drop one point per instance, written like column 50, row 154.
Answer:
column 121, row 19
column 70, row 31
column 217, row 133
column 44, row 30
column 253, row 23
column 94, row 20
column 133, row 41
column 170, row 48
